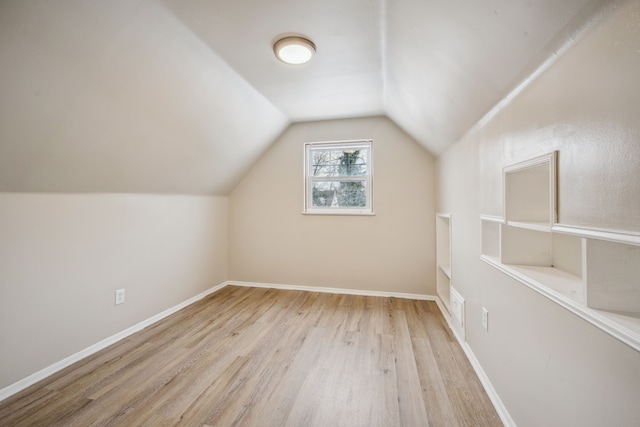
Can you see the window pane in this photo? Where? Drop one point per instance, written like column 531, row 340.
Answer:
column 339, row 194
column 339, row 162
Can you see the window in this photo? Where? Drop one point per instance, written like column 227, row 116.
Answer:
column 338, row 178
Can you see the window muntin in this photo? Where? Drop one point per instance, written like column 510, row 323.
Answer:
column 338, row 177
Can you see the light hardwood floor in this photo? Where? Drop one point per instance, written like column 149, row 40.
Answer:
column 265, row 357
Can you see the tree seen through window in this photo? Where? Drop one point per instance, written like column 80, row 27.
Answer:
column 338, row 177
column 340, row 193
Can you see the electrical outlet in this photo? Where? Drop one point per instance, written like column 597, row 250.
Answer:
column 485, row 319
column 119, row 296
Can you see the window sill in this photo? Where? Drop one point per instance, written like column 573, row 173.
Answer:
column 337, row 213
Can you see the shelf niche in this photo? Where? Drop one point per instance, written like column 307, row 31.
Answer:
column 443, row 258
column 551, row 259
column 593, row 273
column 530, row 192
column 541, row 248
column 613, row 277
column 490, row 238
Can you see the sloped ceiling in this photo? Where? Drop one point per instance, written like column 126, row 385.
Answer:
column 182, row 96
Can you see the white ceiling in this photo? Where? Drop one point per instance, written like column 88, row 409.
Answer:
column 182, row 96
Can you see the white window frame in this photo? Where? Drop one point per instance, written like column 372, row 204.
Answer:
column 309, row 147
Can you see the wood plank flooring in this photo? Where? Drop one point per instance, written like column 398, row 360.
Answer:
column 265, row 357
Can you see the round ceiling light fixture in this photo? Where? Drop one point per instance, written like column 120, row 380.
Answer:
column 294, row 50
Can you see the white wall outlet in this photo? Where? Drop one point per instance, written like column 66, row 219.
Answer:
column 119, row 296
column 485, row 319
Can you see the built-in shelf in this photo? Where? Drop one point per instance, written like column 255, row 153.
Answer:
column 490, row 236
column 443, row 258
column 532, row 225
column 629, row 238
column 446, row 270
column 593, row 273
column 551, row 280
column 568, row 291
column 530, row 191
column 613, row 276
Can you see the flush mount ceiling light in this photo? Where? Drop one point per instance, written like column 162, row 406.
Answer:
column 294, row 50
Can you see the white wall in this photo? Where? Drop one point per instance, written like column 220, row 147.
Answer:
column 106, row 97
column 550, row 367
column 63, row 256
column 393, row 251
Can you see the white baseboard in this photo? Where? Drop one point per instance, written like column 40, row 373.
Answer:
column 52, row 369
column 491, row 392
column 504, row 415
column 333, row 290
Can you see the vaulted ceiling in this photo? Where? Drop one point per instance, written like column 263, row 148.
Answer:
column 182, row 96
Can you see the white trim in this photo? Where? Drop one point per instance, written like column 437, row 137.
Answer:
column 332, row 290
column 20, row 385
column 597, row 318
column 50, row 370
column 341, row 143
column 484, row 379
column 345, row 212
column 443, row 287
column 446, row 270
column 492, row 218
column 548, row 158
column 499, row 406
column 626, row 237
column 551, row 161
column 535, row 226
column 308, row 209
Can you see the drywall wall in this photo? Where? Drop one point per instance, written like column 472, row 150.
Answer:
column 109, row 96
column 273, row 242
column 587, row 108
column 549, row 366
column 63, row 256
